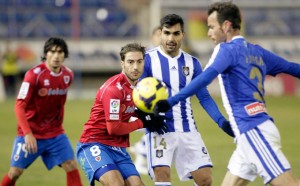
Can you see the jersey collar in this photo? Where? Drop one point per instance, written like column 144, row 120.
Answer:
column 237, row 37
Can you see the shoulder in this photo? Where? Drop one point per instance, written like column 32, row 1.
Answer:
column 114, row 83
column 190, row 59
column 38, row 69
column 151, row 52
column 112, row 88
column 188, row 55
column 67, row 69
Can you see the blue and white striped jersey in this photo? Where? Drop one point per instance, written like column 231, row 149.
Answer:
column 242, row 68
column 177, row 72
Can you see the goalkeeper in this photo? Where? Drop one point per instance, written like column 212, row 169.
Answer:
column 101, row 150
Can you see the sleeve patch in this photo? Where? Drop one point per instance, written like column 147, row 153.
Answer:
column 23, row 90
column 114, row 116
column 114, row 106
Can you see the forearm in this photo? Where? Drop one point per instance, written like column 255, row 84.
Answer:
column 21, row 117
column 210, row 107
column 122, row 128
column 201, row 81
column 293, row 69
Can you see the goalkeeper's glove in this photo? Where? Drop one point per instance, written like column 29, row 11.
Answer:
column 225, row 126
column 152, row 122
column 161, row 106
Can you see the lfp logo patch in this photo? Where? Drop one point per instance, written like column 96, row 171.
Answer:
column 114, row 106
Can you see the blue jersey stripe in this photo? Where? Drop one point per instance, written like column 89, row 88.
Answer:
column 164, row 65
column 182, row 84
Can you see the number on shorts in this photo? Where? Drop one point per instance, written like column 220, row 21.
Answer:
column 95, row 150
column 22, row 147
column 162, row 143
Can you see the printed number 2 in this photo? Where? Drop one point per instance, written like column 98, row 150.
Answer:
column 255, row 73
column 162, row 142
column 22, row 147
column 95, row 150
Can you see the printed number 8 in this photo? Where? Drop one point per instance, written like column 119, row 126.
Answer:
column 95, row 150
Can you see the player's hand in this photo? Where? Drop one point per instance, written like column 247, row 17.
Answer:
column 30, row 143
column 152, row 123
column 227, row 128
column 161, row 106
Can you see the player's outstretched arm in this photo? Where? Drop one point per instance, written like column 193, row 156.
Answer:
column 201, row 81
column 122, row 128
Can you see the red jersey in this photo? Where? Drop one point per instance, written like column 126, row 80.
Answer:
column 42, row 95
column 112, row 108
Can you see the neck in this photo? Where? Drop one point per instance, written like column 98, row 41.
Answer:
column 129, row 80
column 172, row 54
column 53, row 69
column 232, row 34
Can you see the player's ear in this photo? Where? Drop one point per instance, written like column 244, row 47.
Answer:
column 227, row 25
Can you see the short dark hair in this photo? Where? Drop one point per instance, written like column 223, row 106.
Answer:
column 170, row 20
column 55, row 41
column 132, row 47
column 227, row 11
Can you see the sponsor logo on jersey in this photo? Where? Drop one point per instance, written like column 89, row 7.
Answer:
column 46, row 82
column 130, row 109
column 159, row 153
column 255, row 108
column 52, row 92
column 67, row 79
column 114, row 106
column 186, row 70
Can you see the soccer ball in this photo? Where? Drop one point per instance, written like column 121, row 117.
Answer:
column 148, row 92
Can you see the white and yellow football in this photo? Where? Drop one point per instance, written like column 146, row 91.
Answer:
column 148, row 92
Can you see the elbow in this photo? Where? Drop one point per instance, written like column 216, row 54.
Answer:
column 112, row 131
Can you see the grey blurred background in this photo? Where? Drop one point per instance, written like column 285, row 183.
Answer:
column 96, row 30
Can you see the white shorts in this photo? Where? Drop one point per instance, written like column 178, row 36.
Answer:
column 258, row 152
column 185, row 149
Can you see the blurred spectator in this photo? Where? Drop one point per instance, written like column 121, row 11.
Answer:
column 155, row 37
column 10, row 71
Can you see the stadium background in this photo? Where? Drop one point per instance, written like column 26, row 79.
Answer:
column 96, row 29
